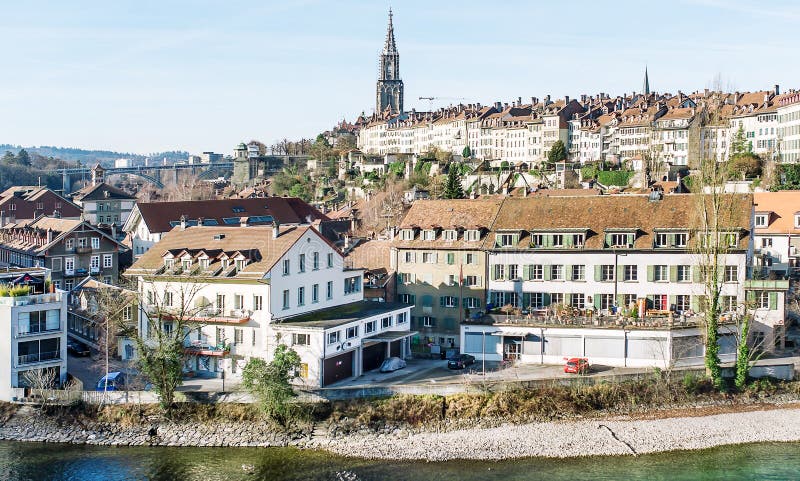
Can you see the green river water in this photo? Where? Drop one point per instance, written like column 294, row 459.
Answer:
column 33, row 461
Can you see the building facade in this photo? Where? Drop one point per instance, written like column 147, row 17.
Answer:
column 389, row 89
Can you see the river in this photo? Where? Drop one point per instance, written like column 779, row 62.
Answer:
column 40, row 462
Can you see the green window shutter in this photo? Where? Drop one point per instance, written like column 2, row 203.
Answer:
column 546, row 298
column 548, row 241
column 526, row 272
column 697, row 275
column 695, row 303
column 598, row 273
column 671, row 240
column 547, row 272
column 455, row 304
column 750, row 297
column 620, row 272
column 650, row 301
column 671, row 300
column 477, row 303
column 451, row 258
column 568, row 240
column 526, row 299
column 441, row 301
column 596, row 300
column 651, row 273
column 568, row 272
column 673, row 273
column 478, row 281
column 630, row 239
column 773, row 301
column 607, row 240
column 413, row 299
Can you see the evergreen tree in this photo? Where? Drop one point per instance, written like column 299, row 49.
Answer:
column 23, row 158
column 8, row 158
column 558, row 152
column 740, row 145
column 467, row 152
column 452, row 187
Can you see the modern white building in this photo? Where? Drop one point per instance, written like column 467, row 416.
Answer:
column 34, row 323
column 236, row 284
column 788, row 112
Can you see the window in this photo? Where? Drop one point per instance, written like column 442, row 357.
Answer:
column 470, row 259
column 683, row 273
column 238, row 301
column 370, row 327
column 315, row 261
column 606, row 301
column 429, row 257
column 681, row 303
column 68, row 284
column 557, row 298
column 286, row 267
column 680, row 239
column 82, row 242
column 406, row 298
column 452, row 280
column 108, row 261
column 95, row 243
column 766, row 242
column 286, row 298
column 351, row 332
column 630, row 273
column 762, row 300
column 40, row 205
column 300, row 339
column 620, row 240
column 258, row 302
column 449, row 301
column 429, row 234
column 536, row 272
column 333, row 337
column 329, row 290
column 407, row 234
column 402, row 318
column 558, row 240
column 451, row 258
column 506, row 240
column 537, row 240
column 409, row 257
column 472, row 235
column 662, row 240
column 660, row 302
column 238, row 336
column 606, row 272
column 94, row 263
column 576, row 301
column 728, row 303
column 55, row 264
column 301, row 296
column 427, row 321
column 499, row 272
column 513, row 271
column 386, row 322
column 557, row 272
column 761, row 220
column 450, row 235
column 471, row 281
column 660, row 273
column 315, row 293
column 472, row 303
column 797, row 221
column 731, row 273
column 221, row 302
column 628, row 300
column 578, row 272
column 69, row 244
column 330, row 259
column 302, row 263
column 577, row 240
column 352, row 285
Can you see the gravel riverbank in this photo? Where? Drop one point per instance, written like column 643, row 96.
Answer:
column 596, row 437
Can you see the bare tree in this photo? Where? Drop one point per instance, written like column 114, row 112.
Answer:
column 41, row 380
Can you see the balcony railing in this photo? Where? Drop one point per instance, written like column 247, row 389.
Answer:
column 35, row 330
column 212, row 315
column 653, row 320
column 31, row 299
column 200, row 348
column 38, row 357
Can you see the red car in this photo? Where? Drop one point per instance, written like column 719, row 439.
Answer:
column 577, row 365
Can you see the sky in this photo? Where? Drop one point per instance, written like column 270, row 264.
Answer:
column 199, row 75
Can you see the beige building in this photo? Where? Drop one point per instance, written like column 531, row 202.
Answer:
column 439, row 257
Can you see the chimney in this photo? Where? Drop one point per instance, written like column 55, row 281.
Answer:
column 547, row 99
column 49, row 235
column 519, row 101
column 566, row 99
column 183, row 222
column 276, row 229
column 777, row 89
column 498, row 106
column 346, row 241
column 113, row 232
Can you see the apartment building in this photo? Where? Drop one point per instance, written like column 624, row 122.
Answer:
column 33, row 320
column 788, row 111
column 30, row 202
column 441, row 265
column 72, row 249
column 776, row 232
column 104, row 204
column 248, row 289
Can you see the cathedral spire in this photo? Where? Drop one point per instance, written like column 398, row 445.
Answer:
column 646, row 85
column 389, row 47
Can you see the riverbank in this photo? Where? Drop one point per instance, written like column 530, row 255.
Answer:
column 646, row 432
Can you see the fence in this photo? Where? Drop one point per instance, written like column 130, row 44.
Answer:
column 69, row 396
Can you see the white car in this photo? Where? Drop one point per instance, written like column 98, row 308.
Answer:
column 392, row 364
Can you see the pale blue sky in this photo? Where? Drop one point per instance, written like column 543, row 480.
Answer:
column 200, row 75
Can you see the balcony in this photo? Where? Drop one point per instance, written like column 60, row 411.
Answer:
column 31, row 299
column 581, row 318
column 83, row 250
column 212, row 315
column 200, row 348
column 25, row 329
column 34, row 358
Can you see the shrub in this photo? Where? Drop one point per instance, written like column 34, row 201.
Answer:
column 614, row 177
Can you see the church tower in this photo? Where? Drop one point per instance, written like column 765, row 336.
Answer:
column 646, row 83
column 390, row 88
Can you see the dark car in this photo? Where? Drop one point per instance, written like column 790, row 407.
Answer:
column 460, row 361
column 113, row 381
column 77, row 348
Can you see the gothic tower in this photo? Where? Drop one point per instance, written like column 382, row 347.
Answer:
column 390, row 88
column 646, row 83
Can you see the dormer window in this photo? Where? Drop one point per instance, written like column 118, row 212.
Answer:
column 407, row 234
column 506, row 240
column 537, row 240
column 472, row 235
column 578, row 240
column 169, row 263
column 620, row 240
column 186, row 263
column 429, row 235
column 450, row 235
column 558, row 240
column 204, row 263
column 761, row 220
column 662, row 240
column 240, row 263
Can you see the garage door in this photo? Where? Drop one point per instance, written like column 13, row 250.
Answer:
column 338, row 368
column 374, row 356
column 394, row 348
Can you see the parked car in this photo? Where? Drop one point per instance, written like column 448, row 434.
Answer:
column 392, row 364
column 77, row 348
column 460, row 361
column 113, row 381
column 577, row 365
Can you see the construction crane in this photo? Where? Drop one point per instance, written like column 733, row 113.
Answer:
column 431, row 99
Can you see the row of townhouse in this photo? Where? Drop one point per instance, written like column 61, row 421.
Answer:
column 677, row 130
column 470, row 266
column 246, row 289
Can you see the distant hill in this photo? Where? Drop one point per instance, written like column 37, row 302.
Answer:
column 91, row 157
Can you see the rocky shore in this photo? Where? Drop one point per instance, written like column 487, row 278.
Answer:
column 596, row 437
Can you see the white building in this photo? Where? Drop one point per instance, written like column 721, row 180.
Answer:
column 238, row 283
column 35, row 327
column 789, row 127
column 776, row 232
